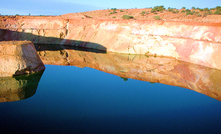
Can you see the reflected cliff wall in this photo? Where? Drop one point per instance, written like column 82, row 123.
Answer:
column 198, row 43
column 18, row 87
column 140, row 67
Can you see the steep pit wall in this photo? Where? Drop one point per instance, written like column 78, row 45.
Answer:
column 198, row 43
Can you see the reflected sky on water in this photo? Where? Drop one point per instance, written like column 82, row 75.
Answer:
column 84, row 100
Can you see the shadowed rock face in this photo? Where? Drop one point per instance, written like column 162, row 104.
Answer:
column 198, row 43
column 19, row 57
column 152, row 69
column 18, row 87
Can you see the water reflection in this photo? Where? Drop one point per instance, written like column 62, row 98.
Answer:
column 18, row 87
column 152, row 69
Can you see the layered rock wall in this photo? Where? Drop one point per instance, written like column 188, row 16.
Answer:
column 198, row 43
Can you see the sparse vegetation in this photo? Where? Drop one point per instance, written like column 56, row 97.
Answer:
column 114, row 17
column 113, row 10
column 183, row 11
column 170, row 9
column 157, row 17
column 201, row 10
column 177, row 11
column 127, row 17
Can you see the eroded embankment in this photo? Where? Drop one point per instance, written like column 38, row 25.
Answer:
column 198, row 43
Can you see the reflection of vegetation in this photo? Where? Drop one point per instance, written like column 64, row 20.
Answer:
column 125, row 79
column 152, row 82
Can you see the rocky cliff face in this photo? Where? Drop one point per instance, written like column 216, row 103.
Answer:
column 18, row 58
column 152, row 69
column 198, row 43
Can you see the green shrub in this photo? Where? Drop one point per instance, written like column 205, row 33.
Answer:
column 127, row 17
column 187, row 10
column 189, row 13
column 114, row 17
column 193, row 8
column 183, row 7
column 183, row 11
column 170, row 10
column 217, row 12
column 209, row 13
column 153, row 11
column 199, row 15
column 143, row 13
column 113, row 12
column 159, row 8
column 121, row 10
column 177, row 11
column 114, row 9
column 157, row 17
column 206, row 9
column 218, row 8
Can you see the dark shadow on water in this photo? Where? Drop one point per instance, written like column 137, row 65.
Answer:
column 58, row 43
column 18, row 87
column 47, row 47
